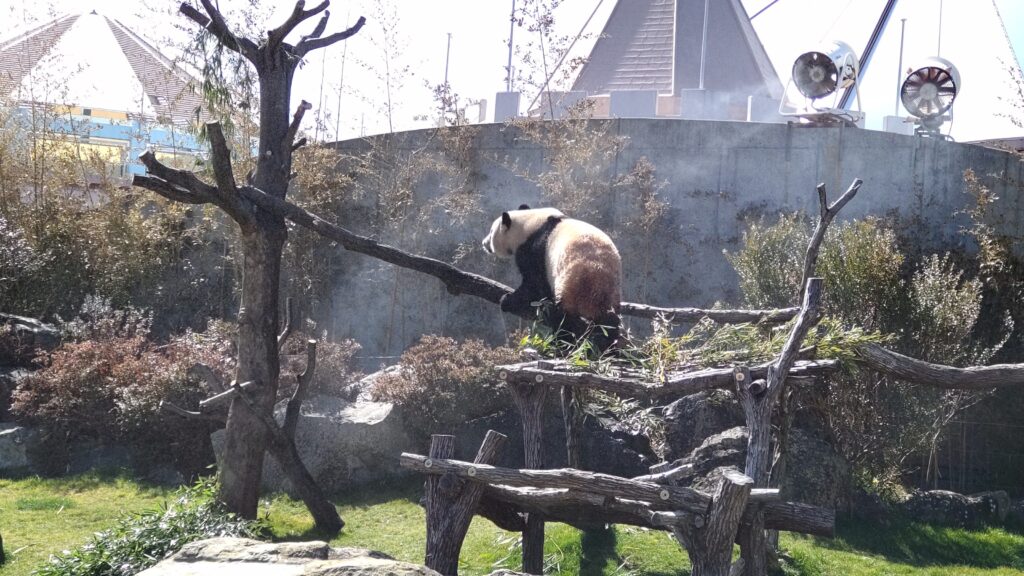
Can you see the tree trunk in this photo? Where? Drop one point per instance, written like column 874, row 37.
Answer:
column 245, row 438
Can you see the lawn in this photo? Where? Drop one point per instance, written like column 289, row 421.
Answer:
column 39, row 517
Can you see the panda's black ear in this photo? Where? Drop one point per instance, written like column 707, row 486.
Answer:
column 506, row 220
column 524, row 207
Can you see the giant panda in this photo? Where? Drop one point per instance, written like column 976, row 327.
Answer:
column 568, row 262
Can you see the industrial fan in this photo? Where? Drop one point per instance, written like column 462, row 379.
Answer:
column 928, row 93
column 816, row 75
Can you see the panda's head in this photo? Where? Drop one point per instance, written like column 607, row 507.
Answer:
column 513, row 228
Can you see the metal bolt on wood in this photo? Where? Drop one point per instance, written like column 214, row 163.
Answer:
column 503, row 375
column 539, row 378
column 428, row 463
column 664, row 494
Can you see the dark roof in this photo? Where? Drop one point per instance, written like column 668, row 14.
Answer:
column 656, row 45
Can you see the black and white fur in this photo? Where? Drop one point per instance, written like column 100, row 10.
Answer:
column 565, row 261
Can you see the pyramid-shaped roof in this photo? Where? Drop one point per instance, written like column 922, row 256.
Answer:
column 656, row 45
column 91, row 61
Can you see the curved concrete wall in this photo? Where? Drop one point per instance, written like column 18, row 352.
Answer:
column 718, row 175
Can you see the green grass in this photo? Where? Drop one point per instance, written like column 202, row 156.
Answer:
column 40, row 517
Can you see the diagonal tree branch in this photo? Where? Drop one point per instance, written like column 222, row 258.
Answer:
column 221, row 160
column 293, row 128
column 168, row 190
column 187, row 182
column 276, row 36
column 307, row 45
column 214, row 22
column 461, row 282
column 938, row 375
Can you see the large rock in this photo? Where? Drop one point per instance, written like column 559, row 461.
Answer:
column 21, row 338
column 9, row 377
column 691, row 419
column 243, row 557
column 603, row 449
column 16, row 443
column 815, row 472
column 953, row 509
column 342, row 443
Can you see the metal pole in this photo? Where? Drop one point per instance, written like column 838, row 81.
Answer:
column 703, row 45
column 865, row 57
column 899, row 68
column 938, row 48
column 511, row 31
column 341, row 85
column 447, row 54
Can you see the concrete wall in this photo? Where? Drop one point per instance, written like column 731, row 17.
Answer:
column 718, row 175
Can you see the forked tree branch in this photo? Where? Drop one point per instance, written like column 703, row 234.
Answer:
column 276, row 36
column 307, row 45
column 321, row 27
column 185, row 186
column 826, row 214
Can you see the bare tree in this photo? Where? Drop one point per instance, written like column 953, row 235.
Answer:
column 263, row 233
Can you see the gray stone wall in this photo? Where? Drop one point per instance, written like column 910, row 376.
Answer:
column 717, row 176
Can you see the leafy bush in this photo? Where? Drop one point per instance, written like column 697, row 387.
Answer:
column 929, row 309
column 443, row 383
column 141, row 540
column 109, row 387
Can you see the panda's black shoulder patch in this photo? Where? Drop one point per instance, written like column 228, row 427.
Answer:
column 531, row 256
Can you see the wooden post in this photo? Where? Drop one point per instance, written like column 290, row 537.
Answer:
column 441, row 446
column 710, row 545
column 758, row 398
column 572, row 416
column 529, row 400
column 454, row 509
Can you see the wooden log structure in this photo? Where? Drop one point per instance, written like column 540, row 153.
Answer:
column 710, row 546
column 588, row 500
column 676, row 384
column 451, row 503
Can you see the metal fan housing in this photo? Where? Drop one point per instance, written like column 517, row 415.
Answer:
column 930, row 88
column 821, row 72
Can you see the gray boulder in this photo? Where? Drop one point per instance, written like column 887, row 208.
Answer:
column 342, row 443
column 953, row 509
column 361, row 389
column 9, row 377
column 815, row 472
column 691, row 419
column 16, row 444
column 21, row 338
column 243, row 557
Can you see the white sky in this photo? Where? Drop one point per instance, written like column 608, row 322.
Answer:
column 480, row 29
